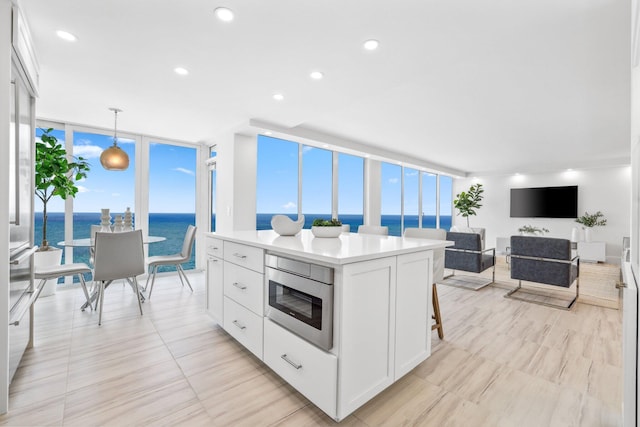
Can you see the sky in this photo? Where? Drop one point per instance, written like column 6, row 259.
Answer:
column 172, row 180
column 171, row 177
column 278, row 169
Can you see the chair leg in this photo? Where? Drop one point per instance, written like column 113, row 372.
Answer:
column 154, row 270
column 84, row 289
column 436, row 312
column 181, row 272
column 135, row 282
column 101, row 298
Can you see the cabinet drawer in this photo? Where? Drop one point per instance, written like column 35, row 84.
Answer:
column 244, row 325
column 311, row 371
column 245, row 287
column 214, row 247
column 246, row 256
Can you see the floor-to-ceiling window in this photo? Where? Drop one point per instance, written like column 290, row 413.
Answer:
column 391, row 198
column 172, row 198
column 317, row 170
column 411, row 191
column 446, row 201
column 350, row 190
column 102, row 189
column 277, row 180
column 429, row 199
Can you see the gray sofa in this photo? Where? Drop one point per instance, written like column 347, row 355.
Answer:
column 544, row 260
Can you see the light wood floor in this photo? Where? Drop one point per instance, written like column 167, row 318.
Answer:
column 502, row 363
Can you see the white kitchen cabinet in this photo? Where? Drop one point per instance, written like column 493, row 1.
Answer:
column 246, row 256
column 244, row 286
column 215, row 282
column 310, row 370
column 244, row 325
column 366, row 304
column 413, row 311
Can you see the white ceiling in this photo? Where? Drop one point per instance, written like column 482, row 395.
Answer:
column 479, row 86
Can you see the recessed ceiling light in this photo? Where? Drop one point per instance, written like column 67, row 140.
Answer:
column 278, row 97
column 316, row 75
column 181, row 71
column 66, row 36
column 371, row 44
column 267, row 132
column 224, row 14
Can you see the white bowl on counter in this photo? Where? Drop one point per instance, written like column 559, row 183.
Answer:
column 329, row 231
column 285, row 226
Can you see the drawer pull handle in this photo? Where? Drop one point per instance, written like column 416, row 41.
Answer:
column 213, row 259
column 290, row 362
column 239, row 325
column 237, row 255
column 239, row 286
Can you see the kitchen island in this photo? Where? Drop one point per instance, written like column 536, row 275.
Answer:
column 381, row 309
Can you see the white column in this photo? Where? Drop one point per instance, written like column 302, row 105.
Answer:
column 372, row 191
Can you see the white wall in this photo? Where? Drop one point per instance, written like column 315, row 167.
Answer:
column 605, row 190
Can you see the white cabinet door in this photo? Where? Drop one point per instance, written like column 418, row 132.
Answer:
column 413, row 311
column 366, row 304
column 310, row 370
column 215, row 288
column 244, row 325
column 244, row 286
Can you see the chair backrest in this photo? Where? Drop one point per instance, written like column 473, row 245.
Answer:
column 346, row 228
column 438, row 254
column 466, row 241
column 187, row 244
column 535, row 269
column 373, row 229
column 541, row 247
column 94, row 229
column 118, row 255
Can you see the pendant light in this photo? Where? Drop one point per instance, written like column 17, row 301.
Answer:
column 114, row 158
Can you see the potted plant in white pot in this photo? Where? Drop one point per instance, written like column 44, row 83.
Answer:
column 326, row 228
column 589, row 221
column 467, row 202
column 55, row 175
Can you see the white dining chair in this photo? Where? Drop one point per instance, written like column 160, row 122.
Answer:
column 175, row 259
column 45, row 273
column 381, row 230
column 118, row 256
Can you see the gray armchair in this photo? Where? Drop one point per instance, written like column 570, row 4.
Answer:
column 467, row 254
column 544, row 260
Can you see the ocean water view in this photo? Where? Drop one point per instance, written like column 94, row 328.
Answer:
column 173, row 226
column 263, row 221
column 170, row 225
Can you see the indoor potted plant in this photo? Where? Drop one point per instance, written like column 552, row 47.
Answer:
column 468, row 202
column 55, row 175
column 529, row 230
column 326, row 228
column 591, row 220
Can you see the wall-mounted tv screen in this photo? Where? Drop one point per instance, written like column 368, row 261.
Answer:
column 544, row 202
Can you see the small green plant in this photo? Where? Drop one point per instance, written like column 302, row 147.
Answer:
column 468, row 202
column 592, row 220
column 333, row 222
column 529, row 229
column 55, row 175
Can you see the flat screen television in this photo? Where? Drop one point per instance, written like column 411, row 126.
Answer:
column 544, row 202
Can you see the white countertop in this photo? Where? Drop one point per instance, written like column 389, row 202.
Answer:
column 348, row 248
